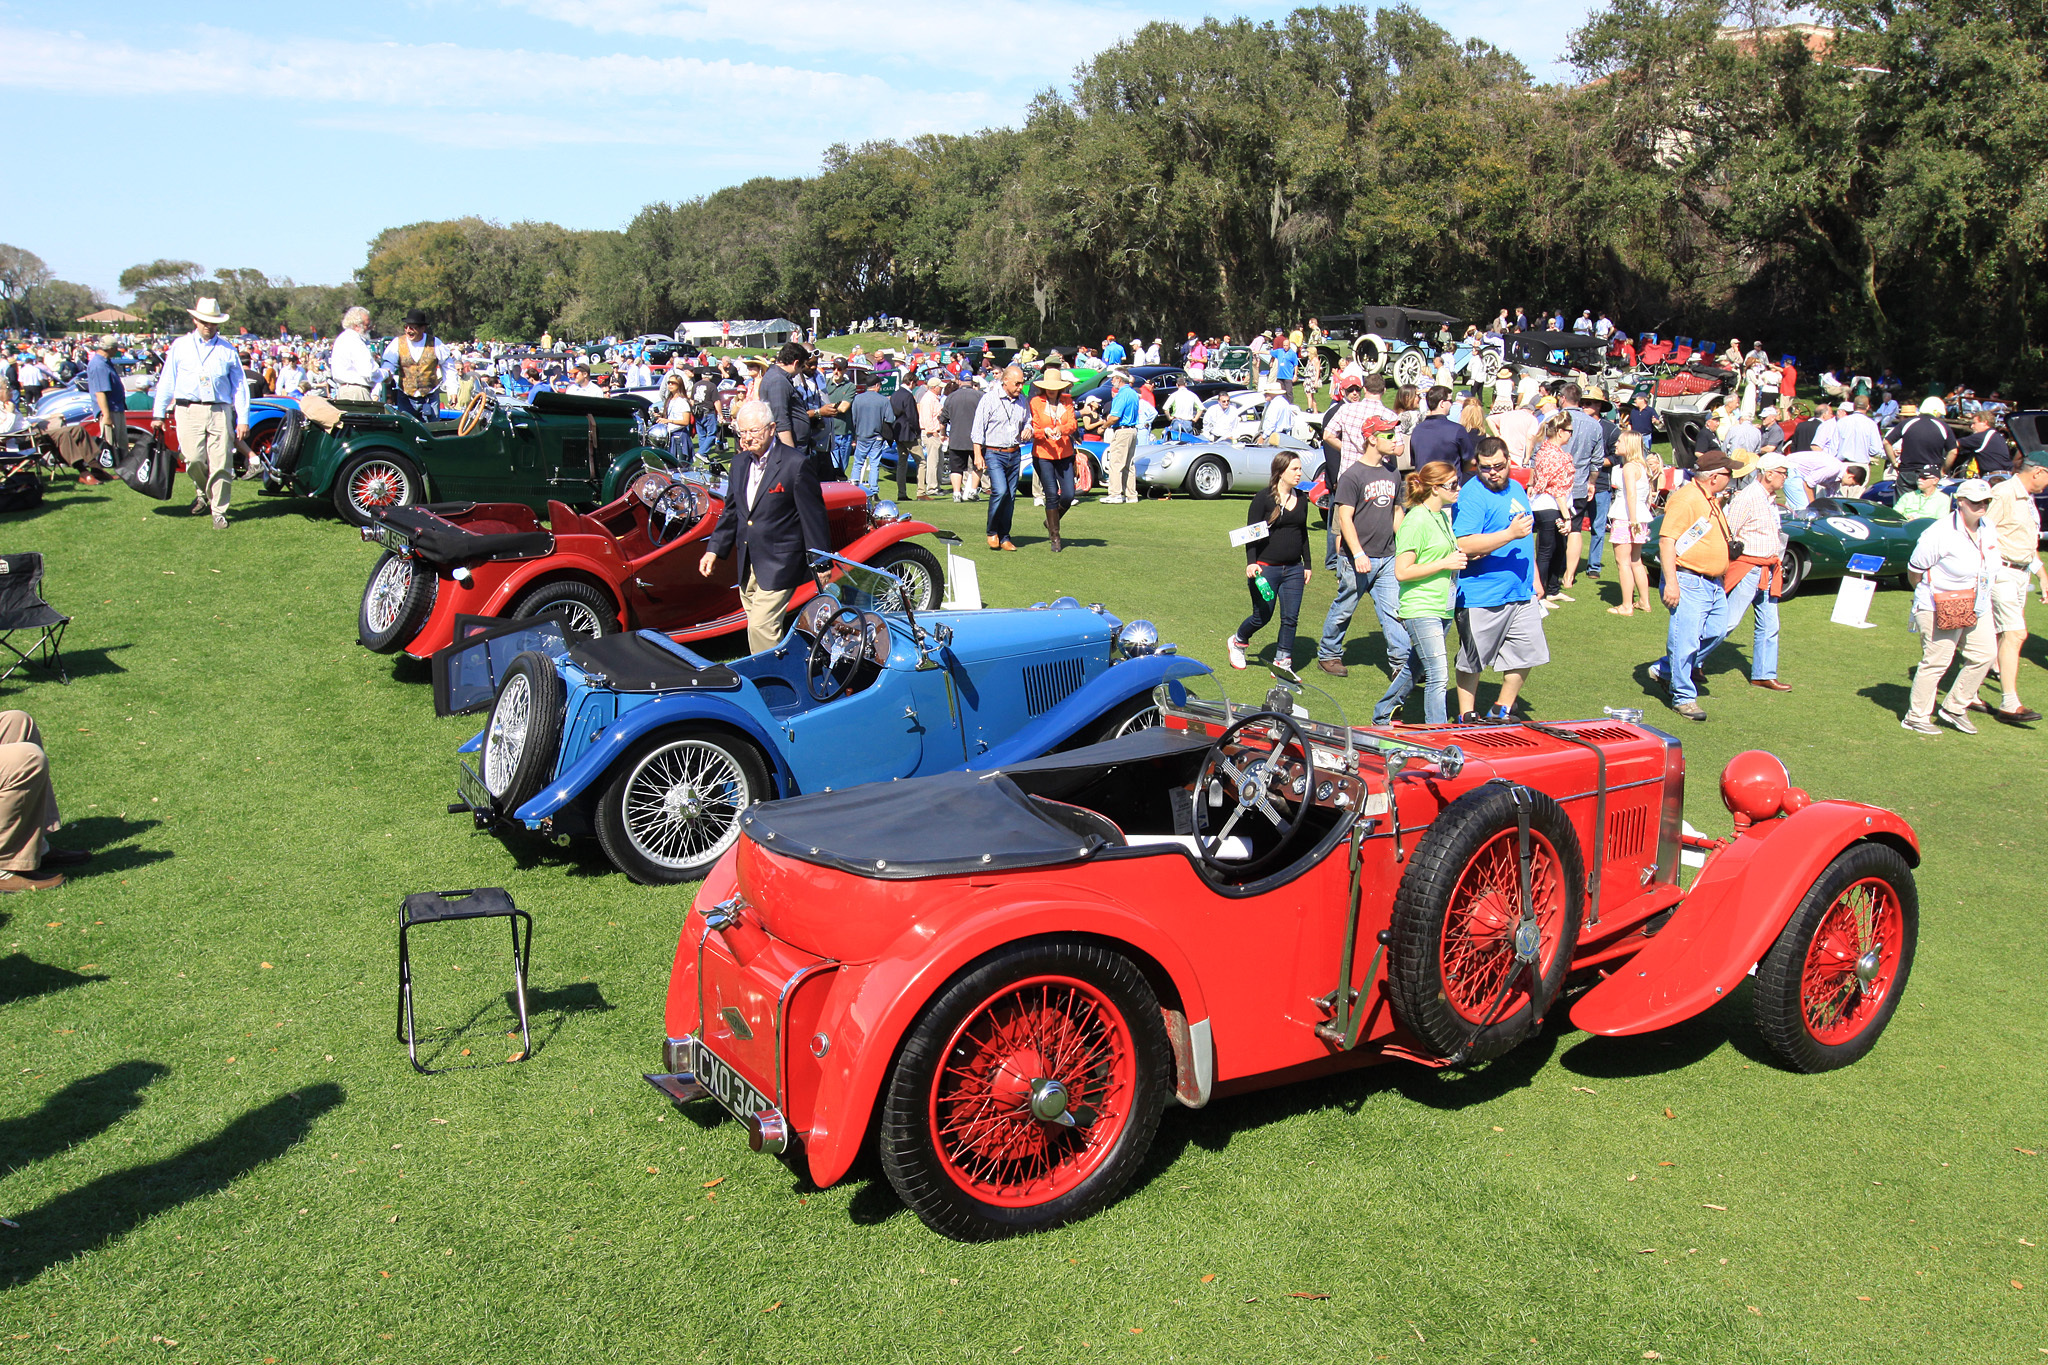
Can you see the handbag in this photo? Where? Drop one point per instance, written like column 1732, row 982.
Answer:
column 1955, row 610
column 149, row 468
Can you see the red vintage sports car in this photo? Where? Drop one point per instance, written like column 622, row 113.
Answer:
column 631, row 564
column 1005, row 999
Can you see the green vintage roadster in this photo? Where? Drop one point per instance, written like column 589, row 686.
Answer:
column 1821, row 537
column 552, row 447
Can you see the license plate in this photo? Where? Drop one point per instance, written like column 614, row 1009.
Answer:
column 394, row 540
column 727, row 1086
column 471, row 789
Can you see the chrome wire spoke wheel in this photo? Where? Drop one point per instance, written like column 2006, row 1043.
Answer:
column 387, row 593
column 378, row 484
column 682, row 803
column 917, row 586
column 506, row 739
column 578, row 619
column 1147, row 719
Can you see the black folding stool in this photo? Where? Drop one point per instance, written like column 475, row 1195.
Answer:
column 486, row 902
column 22, row 608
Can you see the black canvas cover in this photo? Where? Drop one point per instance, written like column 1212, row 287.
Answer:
column 547, row 400
column 438, row 540
column 634, row 663
column 925, row 827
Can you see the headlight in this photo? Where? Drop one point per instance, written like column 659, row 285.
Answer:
column 1137, row 639
column 1064, row 602
column 883, row 513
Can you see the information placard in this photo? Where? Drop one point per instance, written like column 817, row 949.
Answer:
column 1852, row 602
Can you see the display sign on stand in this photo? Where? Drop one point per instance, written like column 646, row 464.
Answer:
column 1858, row 587
column 963, row 583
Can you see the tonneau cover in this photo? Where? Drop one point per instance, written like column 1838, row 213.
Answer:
column 634, row 663
column 925, row 827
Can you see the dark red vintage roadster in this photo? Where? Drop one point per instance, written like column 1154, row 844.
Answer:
column 1001, row 978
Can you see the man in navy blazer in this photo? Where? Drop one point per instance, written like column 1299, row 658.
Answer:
column 774, row 516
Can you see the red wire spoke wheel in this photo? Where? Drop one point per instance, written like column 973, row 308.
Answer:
column 1832, row 980
column 1477, row 951
column 1455, row 973
column 1027, row 1092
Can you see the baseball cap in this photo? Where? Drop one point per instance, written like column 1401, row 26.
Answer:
column 2037, row 459
column 1712, row 462
column 1350, row 383
column 1974, row 490
column 1773, row 462
column 1376, row 424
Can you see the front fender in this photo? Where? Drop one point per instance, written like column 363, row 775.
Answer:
column 630, row 462
column 622, row 733
column 1737, row 905
column 864, row 549
column 1122, row 682
column 872, row 1007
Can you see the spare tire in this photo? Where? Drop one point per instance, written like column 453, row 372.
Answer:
column 396, row 603
column 1370, row 352
column 524, row 732
column 285, row 445
column 1455, row 977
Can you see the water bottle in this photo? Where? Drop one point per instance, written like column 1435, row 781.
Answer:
column 1265, row 588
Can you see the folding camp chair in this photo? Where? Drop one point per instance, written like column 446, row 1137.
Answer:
column 22, row 608
column 428, row 907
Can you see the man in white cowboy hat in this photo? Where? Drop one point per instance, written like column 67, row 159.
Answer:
column 1278, row 418
column 202, row 383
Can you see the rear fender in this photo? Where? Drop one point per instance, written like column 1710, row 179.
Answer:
column 864, row 549
column 1119, row 684
column 872, row 1007
column 624, row 732
column 493, row 588
column 1736, row 907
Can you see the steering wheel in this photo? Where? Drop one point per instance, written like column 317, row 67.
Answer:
column 837, row 654
column 1256, row 783
column 675, row 511
column 476, row 414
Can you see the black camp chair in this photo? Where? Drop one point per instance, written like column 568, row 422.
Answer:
column 22, row 608
column 427, row 907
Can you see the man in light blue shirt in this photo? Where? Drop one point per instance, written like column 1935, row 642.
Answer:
column 1118, row 460
column 201, row 384
column 1112, row 352
column 110, row 395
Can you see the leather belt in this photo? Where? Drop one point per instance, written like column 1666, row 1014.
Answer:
column 2021, row 564
column 196, row 403
column 1000, row 450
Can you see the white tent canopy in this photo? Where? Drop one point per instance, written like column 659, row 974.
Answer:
column 758, row 333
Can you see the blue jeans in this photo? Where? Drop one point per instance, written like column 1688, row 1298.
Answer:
column 1055, row 479
column 1598, row 534
column 1763, row 660
column 1002, row 491
column 1178, row 430
column 867, row 461
column 1287, row 581
column 1699, row 617
column 842, row 449
column 1426, row 651
column 707, row 437
column 1386, row 604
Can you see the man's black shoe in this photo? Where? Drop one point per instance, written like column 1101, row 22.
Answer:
column 65, row 857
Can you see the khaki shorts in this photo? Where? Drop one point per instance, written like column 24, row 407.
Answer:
column 2009, row 600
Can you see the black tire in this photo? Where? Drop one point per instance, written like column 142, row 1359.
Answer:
column 1417, row 979
column 524, row 731
column 927, row 1181
column 1208, row 478
column 1778, row 996
column 387, row 470
column 285, row 446
column 396, row 603
column 584, row 610
column 703, row 828
column 1798, row 564
column 920, row 571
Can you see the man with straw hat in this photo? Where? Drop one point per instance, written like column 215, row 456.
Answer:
column 201, row 383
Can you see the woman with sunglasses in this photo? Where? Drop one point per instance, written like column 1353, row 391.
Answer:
column 1426, row 564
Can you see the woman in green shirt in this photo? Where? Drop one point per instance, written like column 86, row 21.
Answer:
column 1426, row 564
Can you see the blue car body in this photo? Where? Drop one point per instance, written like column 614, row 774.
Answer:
column 956, row 689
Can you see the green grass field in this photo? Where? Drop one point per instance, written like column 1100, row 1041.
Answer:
column 213, row 1148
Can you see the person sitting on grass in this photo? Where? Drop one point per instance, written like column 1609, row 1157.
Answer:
column 28, row 811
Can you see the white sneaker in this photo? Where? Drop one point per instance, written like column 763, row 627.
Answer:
column 958, row 496
column 1110, row 500
column 1283, row 663
column 1234, row 650
column 1038, row 501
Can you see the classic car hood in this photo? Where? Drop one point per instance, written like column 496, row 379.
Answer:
column 986, row 636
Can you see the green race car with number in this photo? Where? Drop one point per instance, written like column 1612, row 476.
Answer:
column 1820, row 538
column 550, row 447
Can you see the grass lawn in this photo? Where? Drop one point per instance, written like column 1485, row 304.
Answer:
column 209, row 1137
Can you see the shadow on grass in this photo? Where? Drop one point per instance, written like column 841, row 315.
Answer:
column 24, row 978
column 90, row 1216
column 270, row 508
column 547, row 1012
column 80, row 1110
column 76, row 663
column 1896, row 698
column 408, row 670
column 51, row 503
column 102, row 835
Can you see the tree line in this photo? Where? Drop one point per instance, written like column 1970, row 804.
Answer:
column 1866, row 191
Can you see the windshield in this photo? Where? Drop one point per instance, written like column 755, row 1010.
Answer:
column 860, row 585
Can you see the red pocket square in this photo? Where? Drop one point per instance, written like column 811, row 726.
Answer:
column 777, row 489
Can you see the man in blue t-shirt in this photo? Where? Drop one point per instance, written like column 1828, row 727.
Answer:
column 1285, row 365
column 110, row 396
column 1437, row 437
column 1500, row 624
column 1113, row 352
column 1118, row 471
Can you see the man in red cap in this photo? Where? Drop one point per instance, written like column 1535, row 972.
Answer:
column 1360, row 551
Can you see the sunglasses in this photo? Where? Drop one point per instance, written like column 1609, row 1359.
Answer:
column 1493, row 469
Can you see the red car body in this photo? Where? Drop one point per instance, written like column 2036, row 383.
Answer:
column 643, row 585
column 806, row 988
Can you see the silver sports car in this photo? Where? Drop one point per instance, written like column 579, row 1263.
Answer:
column 1209, row 469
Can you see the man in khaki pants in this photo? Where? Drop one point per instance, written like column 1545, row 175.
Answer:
column 1117, row 470
column 28, row 810
column 203, row 385
column 774, row 517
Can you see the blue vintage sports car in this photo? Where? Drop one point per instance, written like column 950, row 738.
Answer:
column 657, row 750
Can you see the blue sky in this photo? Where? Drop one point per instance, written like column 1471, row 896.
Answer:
column 284, row 139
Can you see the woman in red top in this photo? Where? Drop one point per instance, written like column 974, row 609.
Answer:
column 1550, row 497
column 1052, row 447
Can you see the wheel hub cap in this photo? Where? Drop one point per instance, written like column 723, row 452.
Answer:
column 683, row 802
column 1049, row 1102
column 1867, row 965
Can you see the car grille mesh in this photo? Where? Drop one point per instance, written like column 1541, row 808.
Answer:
column 1047, row 685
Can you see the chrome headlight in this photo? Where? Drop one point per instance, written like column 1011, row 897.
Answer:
column 1137, row 639
column 1064, row 602
column 883, row 512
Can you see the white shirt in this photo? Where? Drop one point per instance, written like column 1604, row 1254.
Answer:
column 1182, row 405
column 441, row 352
column 1279, row 417
column 202, row 372
column 1951, row 558
column 351, row 362
column 1857, row 439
